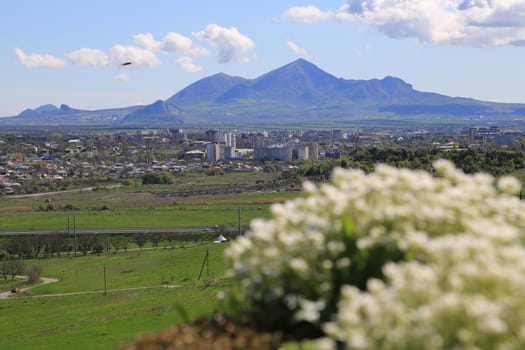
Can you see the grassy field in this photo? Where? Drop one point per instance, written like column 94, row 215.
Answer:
column 95, row 321
column 134, row 209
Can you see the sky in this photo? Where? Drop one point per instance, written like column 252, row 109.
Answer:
column 71, row 52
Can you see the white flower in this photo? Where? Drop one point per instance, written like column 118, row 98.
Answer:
column 450, row 247
column 299, row 265
column 310, row 310
column 509, row 185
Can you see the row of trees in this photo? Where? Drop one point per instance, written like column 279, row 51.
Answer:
column 40, row 245
column 11, row 268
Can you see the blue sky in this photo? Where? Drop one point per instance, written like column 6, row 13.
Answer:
column 71, row 52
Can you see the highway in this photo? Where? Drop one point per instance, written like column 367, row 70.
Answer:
column 124, row 230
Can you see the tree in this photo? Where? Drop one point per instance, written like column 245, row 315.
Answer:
column 119, row 242
column 140, row 239
column 38, row 243
column 4, row 269
column 86, row 243
column 155, row 238
column 56, row 243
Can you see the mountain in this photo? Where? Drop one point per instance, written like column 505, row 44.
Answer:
column 45, row 109
column 52, row 116
column 302, row 92
column 298, row 93
column 157, row 113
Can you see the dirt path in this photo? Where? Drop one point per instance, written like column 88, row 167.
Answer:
column 45, row 280
column 99, row 291
column 41, row 194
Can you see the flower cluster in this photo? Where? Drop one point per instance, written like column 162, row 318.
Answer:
column 394, row 259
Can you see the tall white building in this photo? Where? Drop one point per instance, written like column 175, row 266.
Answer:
column 230, row 139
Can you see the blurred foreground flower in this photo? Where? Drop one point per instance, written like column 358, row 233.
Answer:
column 395, row 259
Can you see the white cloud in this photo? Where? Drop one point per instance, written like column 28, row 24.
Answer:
column 361, row 52
column 296, row 49
column 459, row 22
column 122, row 77
column 141, row 58
column 38, row 61
column 229, row 42
column 178, row 43
column 307, row 14
column 186, row 64
column 147, row 42
column 88, row 57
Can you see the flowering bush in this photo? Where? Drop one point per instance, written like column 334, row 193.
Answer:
column 394, row 259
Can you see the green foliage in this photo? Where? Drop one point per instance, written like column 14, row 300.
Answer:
column 494, row 162
column 214, row 172
column 127, row 182
column 163, row 177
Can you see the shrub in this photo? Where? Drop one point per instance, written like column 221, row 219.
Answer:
column 127, row 182
column 163, row 177
column 33, row 274
column 50, row 207
column 395, row 259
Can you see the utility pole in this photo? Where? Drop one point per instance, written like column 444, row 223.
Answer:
column 68, row 235
column 239, row 220
column 207, row 263
column 105, row 282
column 75, row 232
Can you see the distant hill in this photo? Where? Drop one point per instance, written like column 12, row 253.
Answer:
column 51, row 116
column 298, row 93
column 157, row 113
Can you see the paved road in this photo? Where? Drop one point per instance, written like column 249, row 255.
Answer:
column 123, row 230
column 46, row 280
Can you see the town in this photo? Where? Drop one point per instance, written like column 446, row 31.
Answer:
column 32, row 163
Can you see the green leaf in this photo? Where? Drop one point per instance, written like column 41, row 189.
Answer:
column 348, row 228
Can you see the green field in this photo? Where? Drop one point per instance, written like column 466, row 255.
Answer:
column 134, row 209
column 95, row 321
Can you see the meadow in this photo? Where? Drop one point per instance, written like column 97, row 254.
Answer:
column 168, row 289
column 98, row 321
column 132, row 207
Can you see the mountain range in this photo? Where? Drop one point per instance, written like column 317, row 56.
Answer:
column 298, row 93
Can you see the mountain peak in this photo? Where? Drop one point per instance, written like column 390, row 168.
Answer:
column 44, row 109
column 301, row 65
column 301, row 62
column 298, row 79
